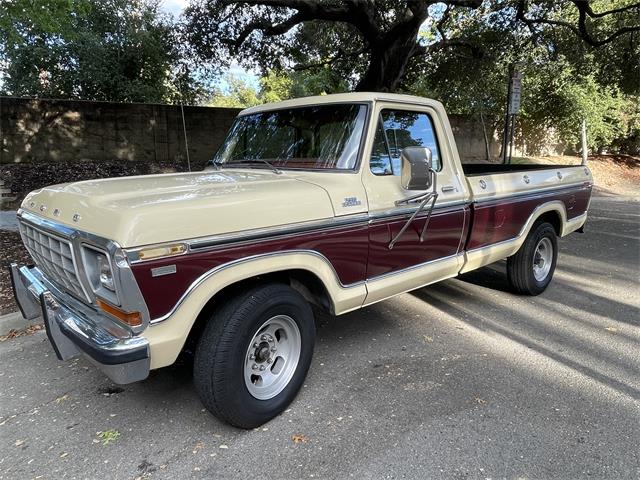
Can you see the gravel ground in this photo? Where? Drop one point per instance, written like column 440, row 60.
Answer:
column 457, row 380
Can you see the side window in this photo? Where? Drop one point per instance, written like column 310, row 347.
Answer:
column 396, row 130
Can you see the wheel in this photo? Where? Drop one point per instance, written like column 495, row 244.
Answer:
column 531, row 268
column 254, row 354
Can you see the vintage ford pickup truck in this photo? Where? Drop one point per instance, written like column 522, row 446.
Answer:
column 339, row 201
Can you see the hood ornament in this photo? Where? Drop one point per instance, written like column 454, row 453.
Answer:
column 76, row 217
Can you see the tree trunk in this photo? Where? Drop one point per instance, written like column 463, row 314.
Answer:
column 389, row 59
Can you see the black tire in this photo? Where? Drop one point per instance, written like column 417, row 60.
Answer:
column 221, row 353
column 520, row 266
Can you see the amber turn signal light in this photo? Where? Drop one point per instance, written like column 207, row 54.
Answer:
column 130, row 318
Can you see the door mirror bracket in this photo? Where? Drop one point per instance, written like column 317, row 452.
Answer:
column 417, row 174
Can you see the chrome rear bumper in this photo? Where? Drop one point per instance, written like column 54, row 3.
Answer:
column 74, row 328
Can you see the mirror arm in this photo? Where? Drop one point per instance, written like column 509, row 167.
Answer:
column 424, row 198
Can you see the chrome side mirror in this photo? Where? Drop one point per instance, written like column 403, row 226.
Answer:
column 416, row 172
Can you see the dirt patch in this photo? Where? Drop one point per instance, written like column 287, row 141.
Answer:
column 617, row 174
column 11, row 250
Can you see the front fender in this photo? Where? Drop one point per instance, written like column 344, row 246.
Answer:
column 167, row 337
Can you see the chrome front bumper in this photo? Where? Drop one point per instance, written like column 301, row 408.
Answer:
column 74, row 328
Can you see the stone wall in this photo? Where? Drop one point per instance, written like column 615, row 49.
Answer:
column 51, row 131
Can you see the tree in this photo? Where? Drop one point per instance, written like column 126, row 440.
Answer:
column 379, row 39
column 114, row 50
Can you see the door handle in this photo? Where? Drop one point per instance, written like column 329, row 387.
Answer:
column 448, row 188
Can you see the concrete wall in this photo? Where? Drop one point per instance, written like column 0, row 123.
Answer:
column 50, row 131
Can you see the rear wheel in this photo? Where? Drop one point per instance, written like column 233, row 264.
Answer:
column 531, row 268
column 254, row 354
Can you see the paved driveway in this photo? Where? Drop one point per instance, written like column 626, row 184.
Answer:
column 457, row 380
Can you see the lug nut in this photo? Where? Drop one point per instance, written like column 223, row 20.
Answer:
column 255, row 345
column 274, row 349
column 262, row 367
column 252, row 357
column 269, row 360
column 270, row 340
column 263, row 337
column 254, row 366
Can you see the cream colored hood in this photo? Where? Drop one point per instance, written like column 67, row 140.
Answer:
column 143, row 210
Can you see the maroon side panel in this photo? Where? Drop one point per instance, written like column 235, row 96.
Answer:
column 502, row 220
column 442, row 239
column 346, row 248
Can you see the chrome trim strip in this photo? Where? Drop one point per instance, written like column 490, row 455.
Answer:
column 412, row 267
column 240, row 261
column 536, row 193
column 404, row 211
column 204, row 244
column 129, row 293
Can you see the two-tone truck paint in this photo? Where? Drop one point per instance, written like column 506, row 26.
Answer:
column 340, row 200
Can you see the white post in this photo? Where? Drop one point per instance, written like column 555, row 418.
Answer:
column 584, row 142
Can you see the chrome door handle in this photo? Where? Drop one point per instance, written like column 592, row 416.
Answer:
column 448, row 188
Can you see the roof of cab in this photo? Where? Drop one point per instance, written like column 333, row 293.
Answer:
column 353, row 97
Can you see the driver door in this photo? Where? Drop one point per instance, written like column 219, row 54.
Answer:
column 410, row 263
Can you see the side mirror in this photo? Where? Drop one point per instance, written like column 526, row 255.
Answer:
column 416, row 173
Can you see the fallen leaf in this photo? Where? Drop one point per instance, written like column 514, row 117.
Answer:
column 63, row 398
column 223, row 446
column 427, row 338
column 480, row 400
column 19, row 333
column 611, row 329
column 297, row 438
column 63, row 454
column 198, row 447
column 19, row 442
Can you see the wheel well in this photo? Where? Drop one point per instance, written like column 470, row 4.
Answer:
column 303, row 281
column 554, row 218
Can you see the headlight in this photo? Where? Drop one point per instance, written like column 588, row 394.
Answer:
column 100, row 274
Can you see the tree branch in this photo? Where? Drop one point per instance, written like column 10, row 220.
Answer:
column 358, row 13
column 580, row 30
column 341, row 54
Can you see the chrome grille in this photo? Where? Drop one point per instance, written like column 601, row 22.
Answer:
column 53, row 255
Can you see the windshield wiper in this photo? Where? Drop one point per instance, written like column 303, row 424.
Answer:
column 276, row 170
column 216, row 164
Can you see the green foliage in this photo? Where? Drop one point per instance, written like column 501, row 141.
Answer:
column 115, row 50
column 274, row 86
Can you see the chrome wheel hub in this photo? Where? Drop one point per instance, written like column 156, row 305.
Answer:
column 542, row 259
column 272, row 357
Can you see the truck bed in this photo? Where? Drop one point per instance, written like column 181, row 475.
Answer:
column 473, row 169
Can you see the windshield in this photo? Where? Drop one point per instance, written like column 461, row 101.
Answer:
column 323, row 137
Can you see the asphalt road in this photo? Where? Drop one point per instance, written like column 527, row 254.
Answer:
column 457, row 380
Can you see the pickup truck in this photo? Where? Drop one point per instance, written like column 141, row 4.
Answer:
column 340, row 201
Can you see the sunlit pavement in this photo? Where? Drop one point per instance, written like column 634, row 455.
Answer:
column 460, row 379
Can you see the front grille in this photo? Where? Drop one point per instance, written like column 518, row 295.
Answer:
column 53, row 255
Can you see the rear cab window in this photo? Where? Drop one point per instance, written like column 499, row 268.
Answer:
column 397, row 129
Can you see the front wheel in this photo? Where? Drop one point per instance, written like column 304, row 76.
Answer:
column 531, row 268
column 254, row 354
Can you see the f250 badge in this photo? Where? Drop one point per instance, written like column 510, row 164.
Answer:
column 351, row 202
